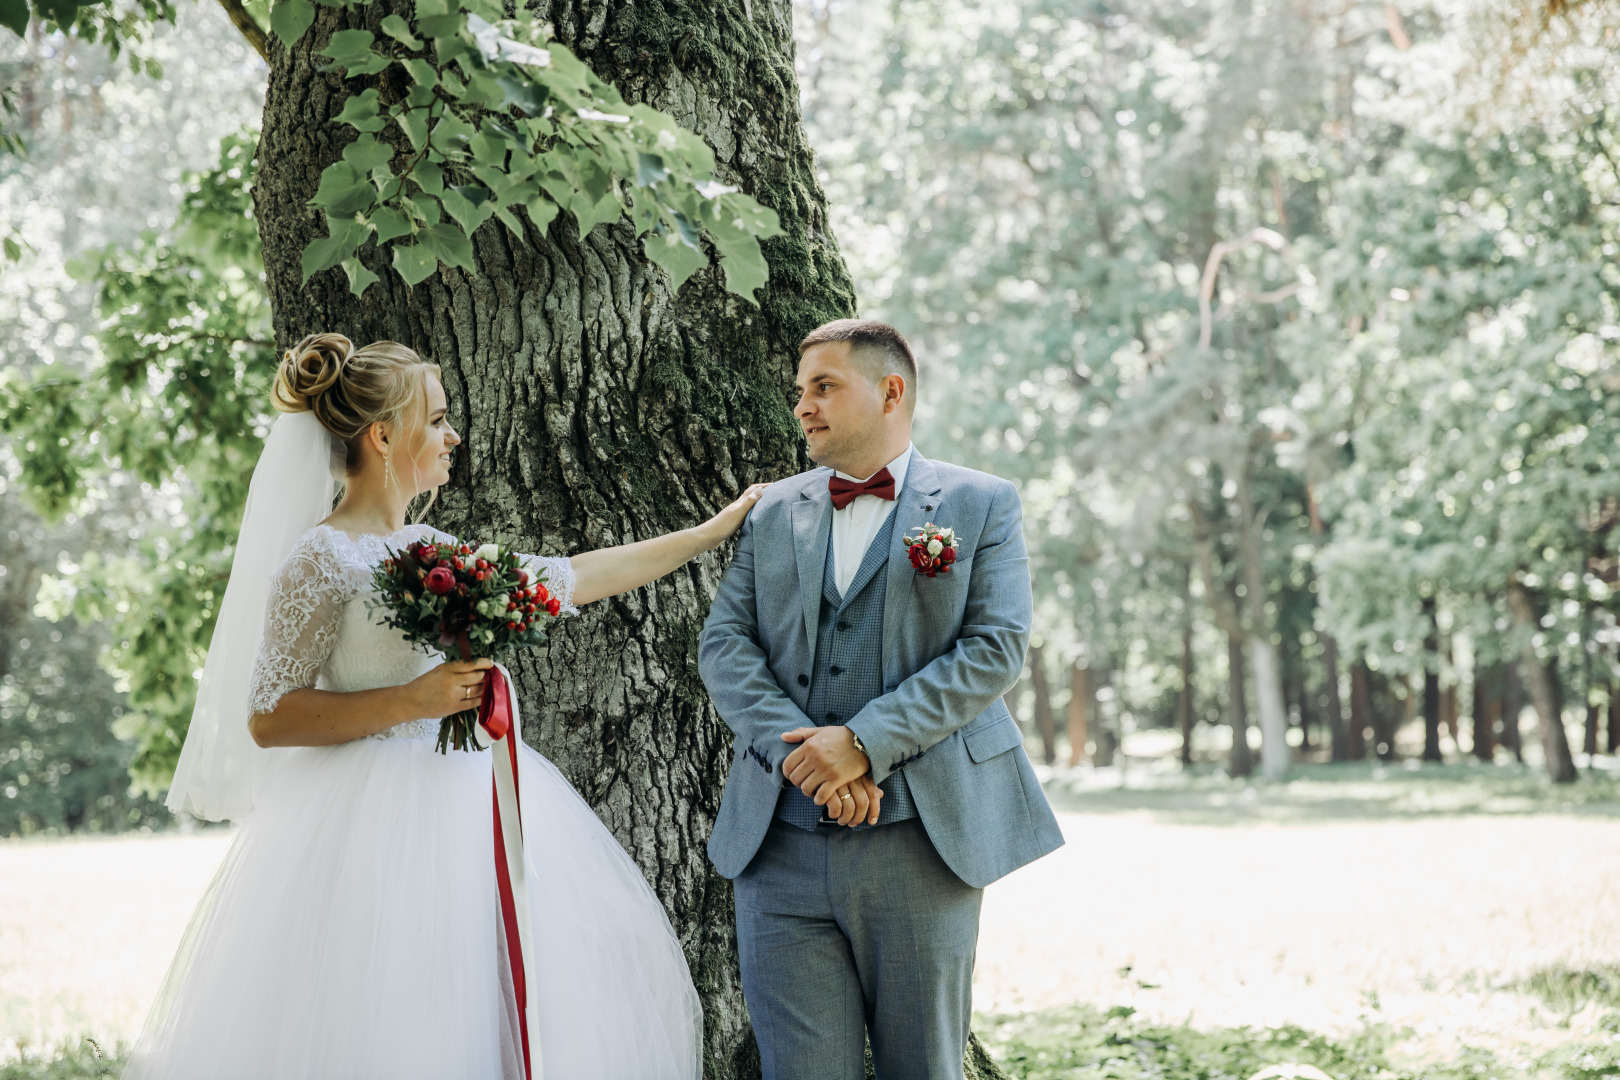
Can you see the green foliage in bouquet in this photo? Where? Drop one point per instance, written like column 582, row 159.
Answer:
column 464, row 603
column 497, row 123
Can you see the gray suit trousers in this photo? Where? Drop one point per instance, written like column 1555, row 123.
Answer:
column 845, row 933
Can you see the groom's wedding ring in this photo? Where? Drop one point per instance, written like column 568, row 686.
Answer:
column 847, row 798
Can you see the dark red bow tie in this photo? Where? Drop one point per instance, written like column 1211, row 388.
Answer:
column 844, row 491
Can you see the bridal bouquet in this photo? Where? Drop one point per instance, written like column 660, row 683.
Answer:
column 464, row 602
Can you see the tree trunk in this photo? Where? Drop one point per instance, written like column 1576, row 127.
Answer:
column 1079, row 708
column 1338, row 736
column 1044, row 722
column 1512, row 706
column 1431, row 684
column 1544, row 691
column 1184, row 700
column 1105, row 736
column 1012, row 699
column 599, row 407
column 1268, row 697
column 1355, row 743
column 1487, row 703
column 1237, row 711
column 1383, row 716
column 1612, row 742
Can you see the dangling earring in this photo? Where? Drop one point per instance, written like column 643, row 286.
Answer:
column 388, row 473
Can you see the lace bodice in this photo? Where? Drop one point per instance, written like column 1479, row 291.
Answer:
column 319, row 633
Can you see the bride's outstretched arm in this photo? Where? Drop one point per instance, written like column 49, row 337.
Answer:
column 610, row 571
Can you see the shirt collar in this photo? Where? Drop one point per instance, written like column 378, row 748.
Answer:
column 897, row 469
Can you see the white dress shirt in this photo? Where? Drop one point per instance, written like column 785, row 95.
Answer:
column 855, row 525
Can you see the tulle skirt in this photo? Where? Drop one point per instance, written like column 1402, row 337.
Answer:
column 353, row 932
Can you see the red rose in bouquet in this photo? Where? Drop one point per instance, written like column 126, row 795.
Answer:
column 465, row 604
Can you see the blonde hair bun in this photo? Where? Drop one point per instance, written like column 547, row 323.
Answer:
column 350, row 389
column 308, row 370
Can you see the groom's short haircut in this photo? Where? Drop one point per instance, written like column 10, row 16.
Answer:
column 877, row 348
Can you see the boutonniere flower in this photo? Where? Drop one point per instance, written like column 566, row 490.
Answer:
column 932, row 550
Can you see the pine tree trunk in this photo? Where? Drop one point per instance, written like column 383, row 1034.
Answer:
column 1487, row 704
column 1237, row 709
column 1512, row 706
column 1184, row 699
column 1338, row 735
column 1044, row 721
column 1383, row 716
column 1079, row 711
column 1542, row 676
column 1268, row 694
column 598, row 407
column 1612, row 740
column 1360, row 711
column 1431, row 683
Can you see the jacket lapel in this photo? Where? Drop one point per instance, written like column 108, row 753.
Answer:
column 812, row 532
column 919, row 502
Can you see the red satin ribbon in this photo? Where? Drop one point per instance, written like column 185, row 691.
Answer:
column 495, row 713
column 844, row 492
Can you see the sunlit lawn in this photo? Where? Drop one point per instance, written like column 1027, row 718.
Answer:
column 1369, row 921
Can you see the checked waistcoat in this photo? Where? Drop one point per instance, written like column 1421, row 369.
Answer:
column 848, row 672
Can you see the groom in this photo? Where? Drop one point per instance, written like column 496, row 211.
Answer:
column 878, row 782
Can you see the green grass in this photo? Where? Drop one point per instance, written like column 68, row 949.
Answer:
column 1085, row 1043
column 1567, row 991
column 78, row 1061
column 1358, row 791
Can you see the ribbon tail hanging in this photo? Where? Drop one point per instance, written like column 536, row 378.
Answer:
column 500, row 724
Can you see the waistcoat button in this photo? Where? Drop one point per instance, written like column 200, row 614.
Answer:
column 835, row 670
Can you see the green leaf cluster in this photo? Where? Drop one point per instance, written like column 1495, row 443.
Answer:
column 495, row 122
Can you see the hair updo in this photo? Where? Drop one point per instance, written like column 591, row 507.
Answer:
column 350, row 389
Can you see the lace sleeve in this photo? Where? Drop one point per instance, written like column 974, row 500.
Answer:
column 558, row 570
column 559, row 574
column 300, row 624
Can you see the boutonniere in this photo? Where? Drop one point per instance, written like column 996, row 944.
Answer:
column 932, row 550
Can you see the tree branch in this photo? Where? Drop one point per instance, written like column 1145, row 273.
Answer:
column 249, row 26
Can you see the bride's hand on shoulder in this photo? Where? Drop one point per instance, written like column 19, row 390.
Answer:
column 449, row 688
column 610, row 571
column 724, row 525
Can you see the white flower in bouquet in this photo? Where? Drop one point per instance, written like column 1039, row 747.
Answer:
column 935, row 547
column 487, row 552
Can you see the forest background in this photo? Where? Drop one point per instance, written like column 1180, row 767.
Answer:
column 1294, row 323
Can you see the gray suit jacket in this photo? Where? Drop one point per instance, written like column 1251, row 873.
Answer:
column 952, row 646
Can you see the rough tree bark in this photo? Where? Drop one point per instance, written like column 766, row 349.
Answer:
column 600, row 407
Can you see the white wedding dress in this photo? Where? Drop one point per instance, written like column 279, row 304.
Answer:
column 353, row 929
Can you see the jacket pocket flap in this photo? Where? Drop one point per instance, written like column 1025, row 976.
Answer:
column 987, row 742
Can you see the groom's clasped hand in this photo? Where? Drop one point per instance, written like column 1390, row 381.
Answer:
column 829, row 768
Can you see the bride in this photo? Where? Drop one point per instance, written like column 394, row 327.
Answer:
column 353, row 928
